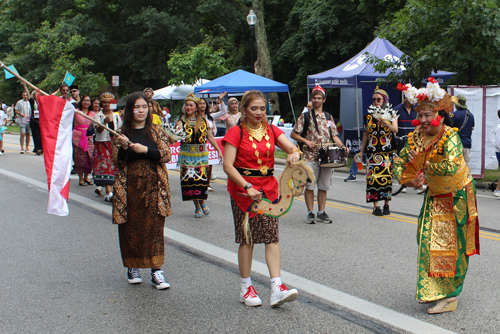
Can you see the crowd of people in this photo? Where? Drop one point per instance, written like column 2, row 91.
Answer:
column 129, row 169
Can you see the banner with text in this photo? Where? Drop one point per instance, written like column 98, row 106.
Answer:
column 213, row 156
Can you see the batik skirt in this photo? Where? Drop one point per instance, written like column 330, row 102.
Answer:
column 104, row 167
column 379, row 177
column 263, row 229
column 141, row 237
column 193, row 163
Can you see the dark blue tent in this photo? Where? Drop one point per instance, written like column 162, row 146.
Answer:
column 241, row 81
column 357, row 80
column 356, row 70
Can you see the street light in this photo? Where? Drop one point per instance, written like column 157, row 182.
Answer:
column 252, row 20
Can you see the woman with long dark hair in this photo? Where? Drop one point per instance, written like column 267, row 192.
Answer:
column 142, row 192
column 83, row 146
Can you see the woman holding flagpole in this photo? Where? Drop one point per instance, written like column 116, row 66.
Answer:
column 142, row 191
column 104, row 167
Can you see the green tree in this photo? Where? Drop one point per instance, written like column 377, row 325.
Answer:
column 201, row 61
column 457, row 36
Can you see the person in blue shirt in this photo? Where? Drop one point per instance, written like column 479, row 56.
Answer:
column 407, row 114
column 463, row 120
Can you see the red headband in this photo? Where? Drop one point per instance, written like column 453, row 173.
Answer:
column 318, row 88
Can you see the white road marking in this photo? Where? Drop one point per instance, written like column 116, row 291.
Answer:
column 380, row 313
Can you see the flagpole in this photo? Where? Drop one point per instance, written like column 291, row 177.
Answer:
column 2, row 65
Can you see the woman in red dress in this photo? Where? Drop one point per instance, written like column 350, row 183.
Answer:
column 249, row 163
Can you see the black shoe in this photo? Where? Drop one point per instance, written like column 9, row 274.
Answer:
column 310, row 218
column 386, row 210
column 377, row 211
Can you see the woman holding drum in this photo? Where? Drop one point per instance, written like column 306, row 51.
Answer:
column 378, row 141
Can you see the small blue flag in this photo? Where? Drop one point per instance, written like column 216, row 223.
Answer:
column 68, row 79
column 9, row 75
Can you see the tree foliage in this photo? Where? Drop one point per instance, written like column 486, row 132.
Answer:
column 456, row 36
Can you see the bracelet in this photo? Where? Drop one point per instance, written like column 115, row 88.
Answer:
column 297, row 150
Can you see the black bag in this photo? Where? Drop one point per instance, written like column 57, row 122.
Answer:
column 90, row 131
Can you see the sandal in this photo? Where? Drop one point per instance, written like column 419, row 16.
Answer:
column 81, row 183
column 444, row 305
column 205, row 209
column 90, row 183
column 197, row 213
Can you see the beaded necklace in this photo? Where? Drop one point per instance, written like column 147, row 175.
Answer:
column 258, row 134
column 421, row 142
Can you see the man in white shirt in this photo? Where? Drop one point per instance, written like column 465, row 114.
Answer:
column 23, row 112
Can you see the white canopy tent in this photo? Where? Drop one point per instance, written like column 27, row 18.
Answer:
column 174, row 92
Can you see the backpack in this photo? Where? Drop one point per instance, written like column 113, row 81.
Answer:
column 307, row 119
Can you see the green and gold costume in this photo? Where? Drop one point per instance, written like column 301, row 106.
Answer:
column 448, row 228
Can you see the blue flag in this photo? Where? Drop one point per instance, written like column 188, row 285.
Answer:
column 9, row 75
column 68, row 79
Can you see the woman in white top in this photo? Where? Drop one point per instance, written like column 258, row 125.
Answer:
column 205, row 113
column 104, row 167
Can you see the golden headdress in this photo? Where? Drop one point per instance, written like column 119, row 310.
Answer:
column 192, row 97
column 381, row 92
column 106, row 97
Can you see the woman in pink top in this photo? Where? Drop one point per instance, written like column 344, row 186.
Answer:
column 83, row 146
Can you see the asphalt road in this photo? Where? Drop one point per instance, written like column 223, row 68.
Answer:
column 357, row 275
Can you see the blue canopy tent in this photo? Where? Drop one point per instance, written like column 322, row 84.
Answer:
column 358, row 76
column 241, row 81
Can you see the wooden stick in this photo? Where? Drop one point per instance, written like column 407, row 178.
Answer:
column 2, row 65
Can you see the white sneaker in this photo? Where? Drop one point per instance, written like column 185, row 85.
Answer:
column 108, row 197
column 158, row 280
column 249, row 296
column 280, row 294
column 496, row 193
column 134, row 276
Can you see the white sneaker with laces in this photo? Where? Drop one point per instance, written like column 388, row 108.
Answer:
column 280, row 294
column 134, row 276
column 249, row 296
column 158, row 280
column 496, row 193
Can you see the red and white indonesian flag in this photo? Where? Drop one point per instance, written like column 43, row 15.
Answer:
column 56, row 127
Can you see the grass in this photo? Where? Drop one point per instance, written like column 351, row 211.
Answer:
column 13, row 128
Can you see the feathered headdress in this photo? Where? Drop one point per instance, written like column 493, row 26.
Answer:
column 432, row 98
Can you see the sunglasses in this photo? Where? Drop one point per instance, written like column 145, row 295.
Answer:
column 74, row 91
column 378, row 99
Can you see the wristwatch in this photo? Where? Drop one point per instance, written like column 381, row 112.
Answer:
column 248, row 185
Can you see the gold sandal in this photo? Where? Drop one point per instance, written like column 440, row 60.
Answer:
column 443, row 305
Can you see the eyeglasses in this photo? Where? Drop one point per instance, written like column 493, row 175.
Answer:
column 64, row 90
column 377, row 99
